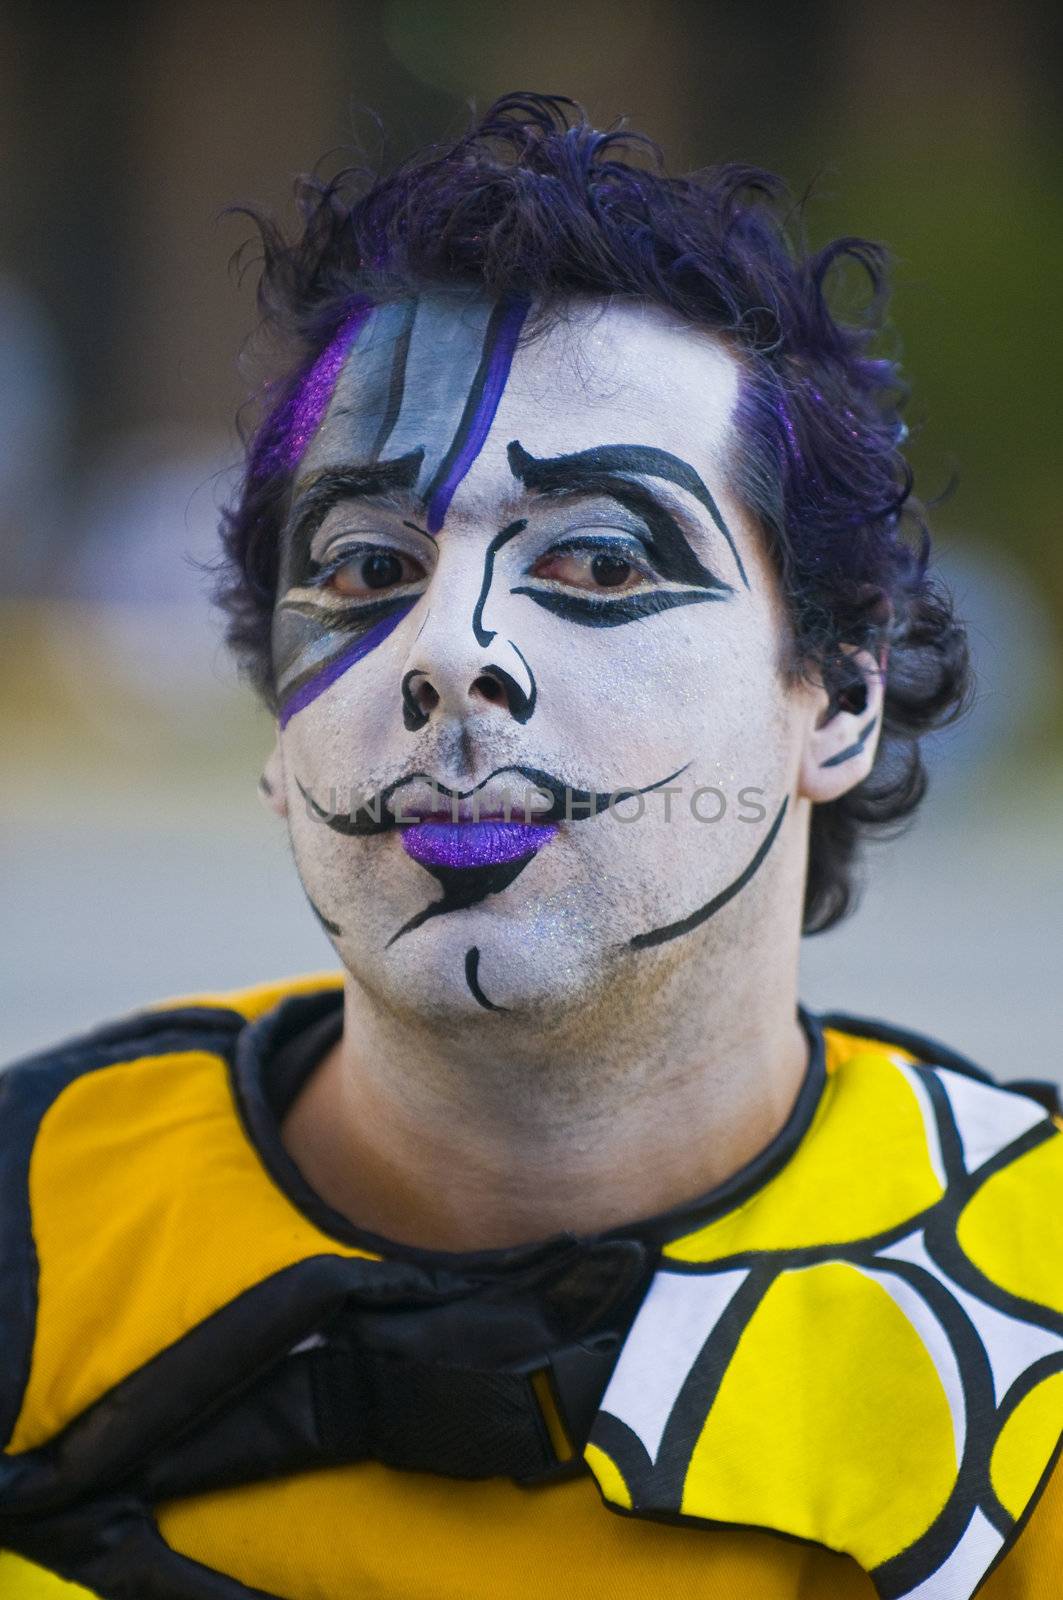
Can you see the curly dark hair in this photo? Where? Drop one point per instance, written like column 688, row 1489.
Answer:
column 533, row 201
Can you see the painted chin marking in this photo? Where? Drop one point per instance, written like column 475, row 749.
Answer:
column 473, row 844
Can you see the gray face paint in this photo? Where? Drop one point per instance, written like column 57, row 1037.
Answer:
column 361, row 414
column 428, row 372
column 407, row 386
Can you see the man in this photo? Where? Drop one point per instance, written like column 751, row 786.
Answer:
column 571, row 559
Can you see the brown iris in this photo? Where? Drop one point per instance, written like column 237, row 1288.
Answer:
column 586, row 569
column 380, row 569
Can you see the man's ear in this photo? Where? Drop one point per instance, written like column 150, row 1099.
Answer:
column 271, row 785
column 841, row 742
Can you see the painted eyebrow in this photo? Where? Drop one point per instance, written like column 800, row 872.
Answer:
column 572, row 471
column 314, row 503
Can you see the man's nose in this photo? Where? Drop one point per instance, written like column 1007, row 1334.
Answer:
column 460, row 666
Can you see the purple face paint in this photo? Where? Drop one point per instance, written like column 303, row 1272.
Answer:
column 287, row 434
column 499, row 349
column 473, row 844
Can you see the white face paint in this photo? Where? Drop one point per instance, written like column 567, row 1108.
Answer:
column 463, row 600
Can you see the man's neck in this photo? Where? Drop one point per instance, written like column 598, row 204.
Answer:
column 484, row 1139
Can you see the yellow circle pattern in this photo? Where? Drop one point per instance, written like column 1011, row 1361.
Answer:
column 828, row 1369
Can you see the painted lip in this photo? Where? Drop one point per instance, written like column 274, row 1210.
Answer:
column 486, row 843
column 497, row 799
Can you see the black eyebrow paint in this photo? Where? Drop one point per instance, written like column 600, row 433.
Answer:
column 644, row 460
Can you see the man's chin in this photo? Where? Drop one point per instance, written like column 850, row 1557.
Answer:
column 469, row 964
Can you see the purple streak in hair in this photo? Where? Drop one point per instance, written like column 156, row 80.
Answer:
column 288, row 432
column 335, row 668
column 790, row 431
column 475, row 426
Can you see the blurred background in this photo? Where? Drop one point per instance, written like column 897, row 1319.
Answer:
column 137, row 861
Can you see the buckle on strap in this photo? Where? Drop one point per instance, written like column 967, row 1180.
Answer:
column 461, row 1422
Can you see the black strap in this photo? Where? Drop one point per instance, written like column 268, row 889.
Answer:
column 456, row 1388
column 338, row 1403
column 461, row 1423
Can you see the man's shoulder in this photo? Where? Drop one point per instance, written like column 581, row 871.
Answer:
column 206, row 1022
column 911, row 1131
column 77, row 1102
column 128, row 1180
column 163, row 1025
column 847, row 1036
column 887, row 1307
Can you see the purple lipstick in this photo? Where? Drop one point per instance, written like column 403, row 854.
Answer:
column 486, row 843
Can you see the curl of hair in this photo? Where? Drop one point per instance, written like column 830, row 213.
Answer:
column 533, row 200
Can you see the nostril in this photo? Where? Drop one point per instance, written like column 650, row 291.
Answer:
column 490, row 688
column 417, row 700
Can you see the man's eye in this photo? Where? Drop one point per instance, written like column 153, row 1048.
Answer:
column 369, row 572
column 589, row 569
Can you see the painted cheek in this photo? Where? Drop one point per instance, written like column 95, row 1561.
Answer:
column 324, row 654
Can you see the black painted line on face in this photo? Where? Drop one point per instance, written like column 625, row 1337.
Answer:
column 467, row 886
column 346, row 616
column 520, row 703
column 667, row 546
column 853, row 749
column 329, row 927
column 445, row 353
column 376, row 815
column 464, row 887
column 482, row 635
column 481, row 403
column 350, row 643
column 602, row 461
column 532, row 697
column 674, row 930
column 592, row 612
column 472, row 963
column 396, row 381
column 351, row 429
column 309, row 656
column 362, row 822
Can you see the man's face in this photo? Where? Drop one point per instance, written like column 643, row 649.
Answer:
column 514, row 580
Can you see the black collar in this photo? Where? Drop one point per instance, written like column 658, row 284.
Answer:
column 276, row 1054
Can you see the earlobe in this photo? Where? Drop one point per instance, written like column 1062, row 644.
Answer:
column 271, row 785
column 841, row 744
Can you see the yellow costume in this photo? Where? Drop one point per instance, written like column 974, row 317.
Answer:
column 856, row 1343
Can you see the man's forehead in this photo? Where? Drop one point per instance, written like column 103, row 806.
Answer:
column 426, row 372
column 405, row 382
